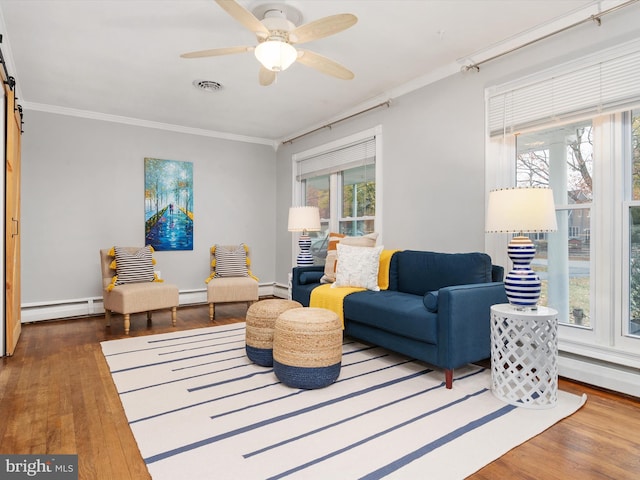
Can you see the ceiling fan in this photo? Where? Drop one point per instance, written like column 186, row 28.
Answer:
column 277, row 35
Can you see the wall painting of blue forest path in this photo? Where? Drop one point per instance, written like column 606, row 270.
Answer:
column 168, row 204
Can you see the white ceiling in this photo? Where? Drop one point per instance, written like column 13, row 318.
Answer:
column 120, row 58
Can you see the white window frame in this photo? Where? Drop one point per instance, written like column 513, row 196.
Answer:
column 624, row 191
column 297, row 193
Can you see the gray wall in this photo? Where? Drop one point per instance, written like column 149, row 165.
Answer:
column 83, row 189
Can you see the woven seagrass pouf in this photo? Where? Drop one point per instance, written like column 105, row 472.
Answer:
column 307, row 347
column 261, row 318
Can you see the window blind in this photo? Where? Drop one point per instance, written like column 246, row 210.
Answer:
column 599, row 83
column 355, row 155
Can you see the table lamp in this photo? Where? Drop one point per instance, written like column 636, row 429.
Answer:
column 304, row 219
column 521, row 210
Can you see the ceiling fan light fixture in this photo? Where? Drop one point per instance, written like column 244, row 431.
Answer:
column 276, row 55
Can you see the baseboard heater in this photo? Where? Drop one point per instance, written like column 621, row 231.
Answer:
column 92, row 306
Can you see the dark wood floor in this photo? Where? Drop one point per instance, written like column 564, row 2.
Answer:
column 57, row 396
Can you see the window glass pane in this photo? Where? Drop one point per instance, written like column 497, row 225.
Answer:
column 359, row 192
column 319, row 242
column 635, row 153
column 569, row 274
column 316, row 192
column 634, row 271
column 356, row 228
column 358, row 201
column 562, row 158
column 571, row 143
column 634, row 227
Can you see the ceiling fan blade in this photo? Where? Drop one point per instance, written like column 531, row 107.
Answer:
column 215, row 52
column 266, row 76
column 324, row 65
column 322, row 28
column 244, row 16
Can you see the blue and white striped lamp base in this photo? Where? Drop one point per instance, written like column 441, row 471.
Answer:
column 304, row 257
column 522, row 284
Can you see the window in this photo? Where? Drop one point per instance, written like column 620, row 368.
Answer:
column 340, row 179
column 632, row 325
column 576, row 129
column 357, row 211
column 562, row 158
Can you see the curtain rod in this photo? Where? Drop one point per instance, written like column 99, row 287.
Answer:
column 593, row 18
column 329, row 125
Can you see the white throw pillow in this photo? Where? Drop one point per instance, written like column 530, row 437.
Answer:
column 358, row 267
column 368, row 240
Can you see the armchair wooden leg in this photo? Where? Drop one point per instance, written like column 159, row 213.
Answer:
column 107, row 318
column 174, row 311
column 212, row 312
column 149, row 316
column 448, row 378
column 127, row 323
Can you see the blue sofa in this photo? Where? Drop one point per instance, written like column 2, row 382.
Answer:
column 436, row 309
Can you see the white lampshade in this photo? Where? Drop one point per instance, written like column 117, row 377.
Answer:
column 303, row 219
column 519, row 210
column 276, row 55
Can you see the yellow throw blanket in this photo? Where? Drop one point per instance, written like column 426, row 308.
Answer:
column 383, row 270
column 332, row 299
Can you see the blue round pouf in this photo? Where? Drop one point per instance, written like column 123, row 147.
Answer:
column 307, row 348
column 306, row 377
column 260, row 356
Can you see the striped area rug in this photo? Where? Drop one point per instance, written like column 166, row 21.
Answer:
column 199, row 409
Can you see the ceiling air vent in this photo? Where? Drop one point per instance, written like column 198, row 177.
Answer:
column 207, row 85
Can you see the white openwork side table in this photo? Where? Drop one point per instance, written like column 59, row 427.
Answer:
column 524, row 356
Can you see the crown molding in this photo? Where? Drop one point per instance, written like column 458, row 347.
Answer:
column 73, row 112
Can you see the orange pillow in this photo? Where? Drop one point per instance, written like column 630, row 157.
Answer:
column 334, row 239
column 332, row 257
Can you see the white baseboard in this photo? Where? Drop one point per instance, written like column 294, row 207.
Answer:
column 84, row 307
column 36, row 312
column 601, row 374
column 281, row 291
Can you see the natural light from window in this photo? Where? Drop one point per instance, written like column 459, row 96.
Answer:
column 562, row 158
